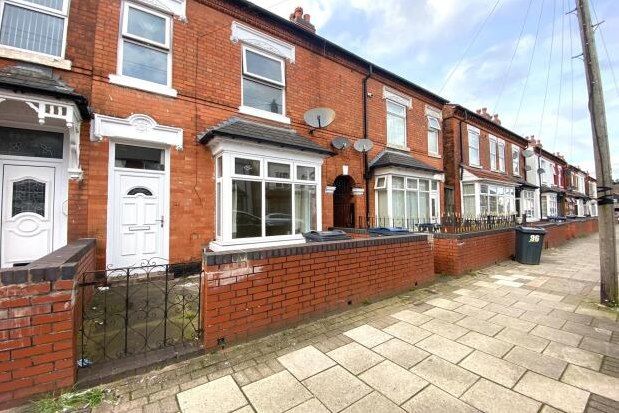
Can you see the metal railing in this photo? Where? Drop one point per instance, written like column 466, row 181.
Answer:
column 446, row 224
column 134, row 310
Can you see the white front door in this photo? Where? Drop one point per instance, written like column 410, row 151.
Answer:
column 139, row 218
column 27, row 213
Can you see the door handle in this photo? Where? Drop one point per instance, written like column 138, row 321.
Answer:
column 161, row 220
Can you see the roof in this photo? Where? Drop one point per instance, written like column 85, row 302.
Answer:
column 41, row 80
column 491, row 124
column 400, row 159
column 324, row 44
column 498, row 177
column 237, row 128
column 553, row 188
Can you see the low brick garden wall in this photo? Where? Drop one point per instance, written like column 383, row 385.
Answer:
column 558, row 234
column 457, row 254
column 38, row 322
column 255, row 292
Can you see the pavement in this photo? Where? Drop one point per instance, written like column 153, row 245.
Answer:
column 509, row 338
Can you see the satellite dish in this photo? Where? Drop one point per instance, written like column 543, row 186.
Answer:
column 527, row 168
column 319, row 118
column 515, row 155
column 340, row 143
column 364, row 145
column 528, row 153
column 541, row 171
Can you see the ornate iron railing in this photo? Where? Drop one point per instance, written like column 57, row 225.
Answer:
column 134, row 310
column 446, row 224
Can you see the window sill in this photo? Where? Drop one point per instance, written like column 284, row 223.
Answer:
column 398, row 147
column 247, row 110
column 241, row 245
column 435, row 155
column 143, row 85
column 476, row 166
column 33, row 57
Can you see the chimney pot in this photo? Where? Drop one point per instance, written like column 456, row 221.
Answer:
column 301, row 19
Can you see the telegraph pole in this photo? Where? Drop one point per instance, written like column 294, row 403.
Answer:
column 608, row 252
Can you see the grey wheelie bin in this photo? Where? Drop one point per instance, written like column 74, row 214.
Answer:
column 529, row 244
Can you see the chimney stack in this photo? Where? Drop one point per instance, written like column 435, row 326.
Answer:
column 303, row 20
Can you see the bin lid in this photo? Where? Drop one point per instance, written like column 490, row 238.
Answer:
column 531, row 230
column 388, row 230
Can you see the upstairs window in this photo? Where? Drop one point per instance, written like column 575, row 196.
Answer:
column 396, row 124
column 501, row 153
column 474, row 147
column 145, row 51
column 263, row 81
column 516, row 160
column 434, row 127
column 493, row 152
column 36, row 25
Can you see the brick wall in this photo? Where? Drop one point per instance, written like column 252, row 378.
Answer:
column 257, row 292
column 38, row 323
column 558, row 234
column 456, row 254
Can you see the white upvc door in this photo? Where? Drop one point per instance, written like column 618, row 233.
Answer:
column 139, row 218
column 28, row 203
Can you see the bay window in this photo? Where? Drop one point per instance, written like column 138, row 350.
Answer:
column 145, row 45
column 38, row 26
column 406, row 201
column 396, row 123
column 264, row 81
column 265, row 198
column 493, row 200
column 528, row 203
column 468, row 201
column 473, row 147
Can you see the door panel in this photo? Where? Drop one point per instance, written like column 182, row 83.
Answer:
column 139, row 227
column 27, row 213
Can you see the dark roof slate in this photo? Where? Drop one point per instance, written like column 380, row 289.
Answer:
column 237, row 128
column 403, row 160
column 41, row 80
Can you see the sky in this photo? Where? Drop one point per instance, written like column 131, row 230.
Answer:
column 487, row 53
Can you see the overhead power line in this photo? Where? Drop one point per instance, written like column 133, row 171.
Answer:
column 608, row 60
column 466, row 50
column 552, row 44
column 561, row 75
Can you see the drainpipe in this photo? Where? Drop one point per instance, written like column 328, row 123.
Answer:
column 366, row 172
column 539, row 179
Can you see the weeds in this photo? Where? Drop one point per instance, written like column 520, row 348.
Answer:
column 69, row 402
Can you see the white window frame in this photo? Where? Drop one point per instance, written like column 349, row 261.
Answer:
column 473, row 132
column 433, row 197
column 560, row 177
column 544, row 176
column 124, row 80
column 516, row 161
column 434, row 129
column 501, row 154
column 507, row 194
column 388, row 101
column 30, row 55
column 528, row 203
column 250, row 110
column 494, row 147
column 228, row 152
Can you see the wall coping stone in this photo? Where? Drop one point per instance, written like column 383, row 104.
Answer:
column 60, row 264
column 229, row 257
column 465, row 235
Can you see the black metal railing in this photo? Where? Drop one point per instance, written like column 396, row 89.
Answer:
column 134, row 310
column 446, row 224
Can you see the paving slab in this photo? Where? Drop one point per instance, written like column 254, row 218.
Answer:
column 490, row 397
column 306, row 362
column 597, row 333
column 574, row 355
column 368, row 335
column 355, row 358
column 486, row 344
column 471, row 311
column 481, row 326
column 493, row 368
column 539, row 318
column 596, row 311
column 568, row 398
column 400, row 352
column 218, row 396
column 407, row 332
column 374, row 402
column 276, row 393
column 445, row 315
column 539, row 363
column 311, row 406
column 592, row 381
column 434, row 400
column 336, row 388
column 444, row 303
column 602, row 347
column 504, row 310
column 554, row 334
column 512, row 322
column 393, row 381
column 411, row 317
column 520, row 338
column 445, row 348
column 449, row 377
column 471, row 301
column 445, row 329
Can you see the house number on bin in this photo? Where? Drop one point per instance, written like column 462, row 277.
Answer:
column 534, row 239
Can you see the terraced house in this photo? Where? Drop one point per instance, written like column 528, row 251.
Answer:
column 160, row 127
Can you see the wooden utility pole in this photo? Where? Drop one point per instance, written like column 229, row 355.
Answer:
column 608, row 252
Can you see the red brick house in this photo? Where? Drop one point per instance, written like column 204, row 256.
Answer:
column 162, row 127
column 484, row 165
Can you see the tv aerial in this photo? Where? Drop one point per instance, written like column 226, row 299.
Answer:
column 364, row 145
column 340, row 143
column 319, row 118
